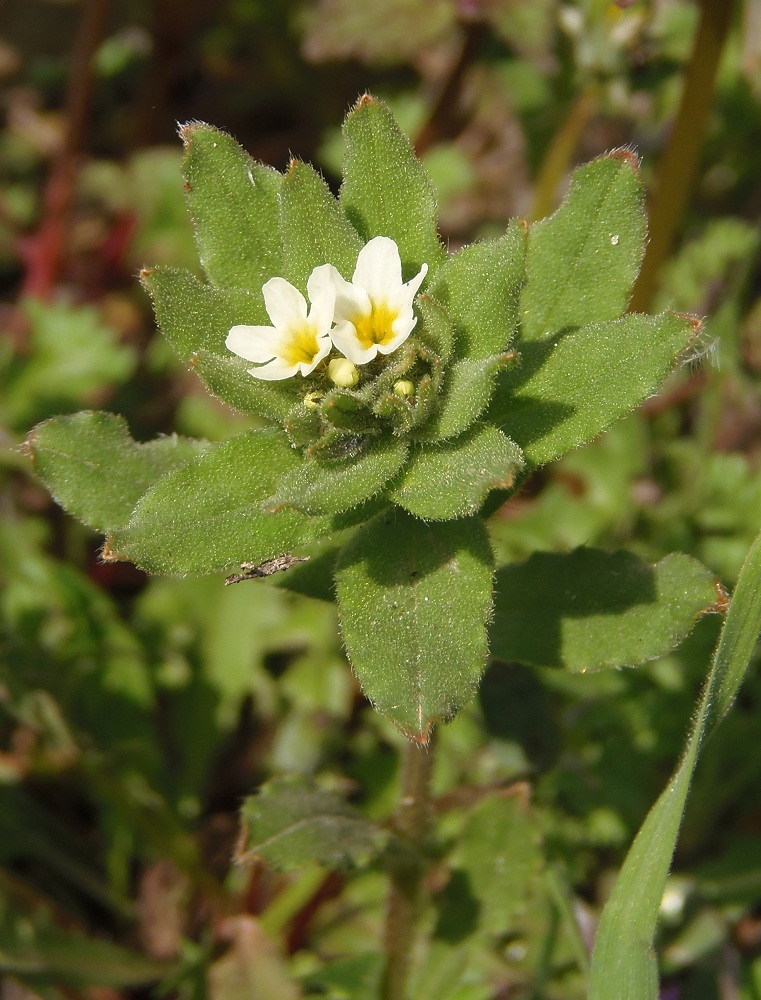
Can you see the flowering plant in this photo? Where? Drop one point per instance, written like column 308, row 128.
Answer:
column 403, row 404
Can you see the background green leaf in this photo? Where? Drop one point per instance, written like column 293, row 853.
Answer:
column 589, row 609
column 290, row 822
column 413, row 601
column 623, row 962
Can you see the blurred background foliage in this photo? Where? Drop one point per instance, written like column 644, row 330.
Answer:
column 135, row 714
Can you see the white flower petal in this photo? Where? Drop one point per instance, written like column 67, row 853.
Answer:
column 414, row 283
column 274, row 371
column 350, row 300
column 344, row 336
column 286, row 306
column 379, row 268
column 324, row 344
column 323, row 304
column 253, row 343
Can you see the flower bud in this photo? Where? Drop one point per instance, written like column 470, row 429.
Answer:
column 343, row 373
column 404, row 388
column 312, row 400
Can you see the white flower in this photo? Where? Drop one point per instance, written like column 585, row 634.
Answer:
column 296, row 342
column 373, row 313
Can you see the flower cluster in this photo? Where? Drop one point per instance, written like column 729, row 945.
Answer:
column 370, row 315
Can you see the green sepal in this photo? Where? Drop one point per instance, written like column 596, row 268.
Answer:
column 94, row 469
column 481, row 287
column 468, row 387
column 195, row 318
column 569, row 389
column 315, row 230
column 582, row 261
column 453, row 479
column 407, row 413
column 320, row 487
column 234, row 204
column 208, row 515
column 386, row 191
column 302, row 425
column 349, row 410
column 590, row 609
column 291, row 822
column 339, row 446
column 413, row 600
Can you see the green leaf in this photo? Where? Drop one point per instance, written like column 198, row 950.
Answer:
column 582, row 261
column 73, row 959
column 434, row 327
column 386, row 191
column 291, row 822
column 228, row 378
column 569, row 389
column 234, row 204
column 480, row 287
column 208, row 515
column 453, row 479
column 321, row 487
column 468, row 388
column 315, row 230
column 496, row 860
column 95, row 470
column 623, row 962
column 71, row 359
column 196, row 318
column 414, row 599
column 590, row 609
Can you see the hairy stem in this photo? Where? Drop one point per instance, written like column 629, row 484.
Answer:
column 411, row 823
column 679, row 163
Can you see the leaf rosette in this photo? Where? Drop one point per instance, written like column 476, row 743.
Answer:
column 401, row 386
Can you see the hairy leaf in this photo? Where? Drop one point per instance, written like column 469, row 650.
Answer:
column 209, row 516
column 589, row 609
column 319, row 487
column 386, row 191
column 480, row 287
column 234, row 204
column 453, row 479
column 413, row 600
column 582, row 261
column 291, row 822
column 94, row 469
column 569, row 389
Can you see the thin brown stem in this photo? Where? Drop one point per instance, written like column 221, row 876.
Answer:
column 679, row 163
column 46, row 251
column 411, row 823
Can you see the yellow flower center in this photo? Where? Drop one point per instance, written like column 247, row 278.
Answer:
column 302, row 345
column 377, row 326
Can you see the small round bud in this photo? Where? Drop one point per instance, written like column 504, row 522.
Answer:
column 343, row 373
column 312, row 400
column 404, row 388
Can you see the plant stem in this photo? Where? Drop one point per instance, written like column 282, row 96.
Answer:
column 411, row 823
column 679, row 163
